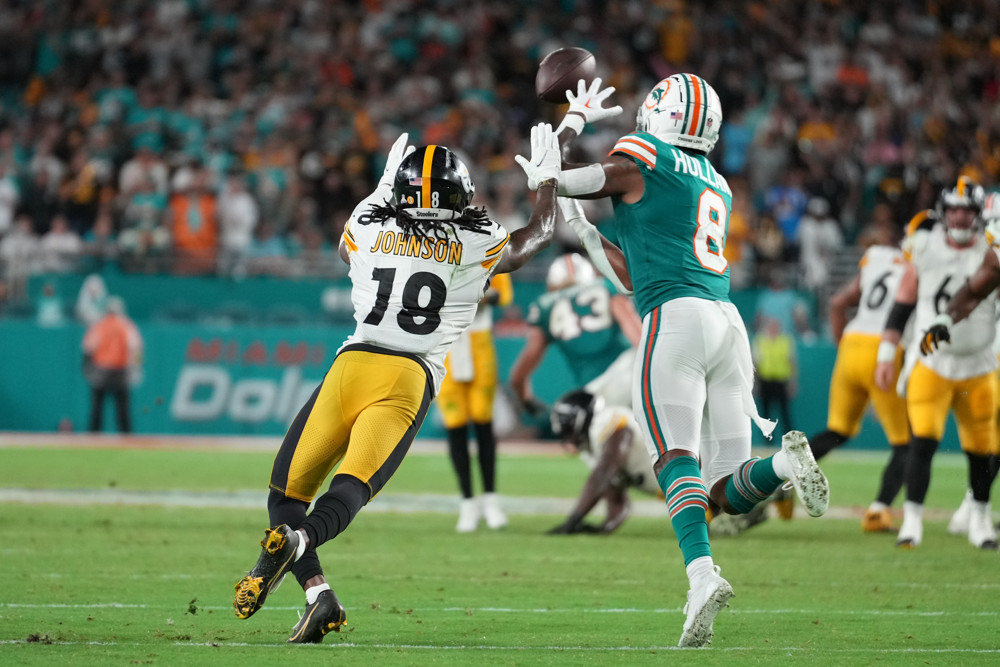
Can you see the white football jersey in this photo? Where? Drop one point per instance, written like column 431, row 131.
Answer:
column 638, row 467
column 418, row 295
column 881, row 269
column 941, row 271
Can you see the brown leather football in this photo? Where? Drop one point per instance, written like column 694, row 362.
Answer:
column 560, row 70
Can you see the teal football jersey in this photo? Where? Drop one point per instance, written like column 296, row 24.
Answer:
column 578, row 321
column 674, row 235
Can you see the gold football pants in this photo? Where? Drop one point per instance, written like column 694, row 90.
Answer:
column 462, row 402
column 973, row 401
column 852, row 386
column 363, row 417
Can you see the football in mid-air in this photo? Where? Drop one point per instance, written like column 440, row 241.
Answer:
column 560, row 70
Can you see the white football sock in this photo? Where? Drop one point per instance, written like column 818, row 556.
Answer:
column 782, row 467
column 301, row 549
column 699, row 568
column 313, row 593
column 911, row 509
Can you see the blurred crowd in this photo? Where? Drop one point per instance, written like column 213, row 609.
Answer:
column 235, row 136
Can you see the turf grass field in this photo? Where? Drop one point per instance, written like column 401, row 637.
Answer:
column 129, row 570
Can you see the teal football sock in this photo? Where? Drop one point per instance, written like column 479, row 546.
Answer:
column 687, row 502
column 753, row 482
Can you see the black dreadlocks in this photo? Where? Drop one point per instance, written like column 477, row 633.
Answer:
column 471, row 220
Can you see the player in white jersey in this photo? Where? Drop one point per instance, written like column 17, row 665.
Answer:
column 960, row 376
column 421, row 259
column 852, row 385
column 610, row 443
column 972, row 517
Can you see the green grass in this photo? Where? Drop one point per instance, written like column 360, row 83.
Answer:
column 814, row 592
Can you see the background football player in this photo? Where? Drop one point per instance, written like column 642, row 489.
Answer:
column 466, row 397
column 594, row 327
column 945, row 252
column 852, row 386
column 981, row 284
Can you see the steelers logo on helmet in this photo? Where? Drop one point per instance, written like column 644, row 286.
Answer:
column 432, row 183
column 960, row 208
column 682, row 110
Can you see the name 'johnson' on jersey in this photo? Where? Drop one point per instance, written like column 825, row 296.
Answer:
column 414, row 294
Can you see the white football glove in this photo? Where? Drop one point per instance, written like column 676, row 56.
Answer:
column 586, row 105
column 993, row 232
column 546, row 159
column 398, row 151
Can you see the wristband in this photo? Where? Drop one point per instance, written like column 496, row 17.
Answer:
column 572, row 121
column 886, row 352
column 943, row 319
column 550, row 182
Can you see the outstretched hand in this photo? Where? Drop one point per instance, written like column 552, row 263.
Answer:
column 546, row 160
column 398, row 151
column 588, row 101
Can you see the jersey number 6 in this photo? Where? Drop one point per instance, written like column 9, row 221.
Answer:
column 429, row 313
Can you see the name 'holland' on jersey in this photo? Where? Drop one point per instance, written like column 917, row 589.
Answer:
column 686, row 164
column 444, row 251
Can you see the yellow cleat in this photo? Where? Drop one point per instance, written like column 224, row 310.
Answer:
column 877, row 521
column 276, row 557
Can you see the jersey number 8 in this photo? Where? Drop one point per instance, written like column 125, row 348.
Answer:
column 712, row 219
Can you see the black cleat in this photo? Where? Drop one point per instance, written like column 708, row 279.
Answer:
column 276, row 558
column 321, row 617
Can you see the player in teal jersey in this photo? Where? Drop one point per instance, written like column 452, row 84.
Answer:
column 595, row 329
column 693, row 378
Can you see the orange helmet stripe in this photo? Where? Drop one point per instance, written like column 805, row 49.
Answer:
column 696, row 110
column 425, row 177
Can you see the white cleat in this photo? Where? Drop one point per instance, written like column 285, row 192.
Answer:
column 703, row 605
column 982, row 535
column 468, row 516
column 810, row 483
column 494, row 515
column 959, row 524
column 911, row 533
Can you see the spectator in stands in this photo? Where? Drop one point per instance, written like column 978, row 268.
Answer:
column 144, row 172
column 777, row 302
column 786, row 202
column 738, row 235
column 191, row 219
column 143, row 235
column 238, row 217
column 112, row 347
column 819, row 240
column 100, row 243
column 10, row 194
column 51, row 312
column 19, row 255
column 60, row 248
column 268, row 253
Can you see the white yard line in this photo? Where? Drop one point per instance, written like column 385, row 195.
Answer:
column 399, row 503
column 492, row 647
column 542, row 610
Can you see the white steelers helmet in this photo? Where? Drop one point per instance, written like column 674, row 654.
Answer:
column 569, row 269
column 966, row 194
column 682, row 110
column 991, row 216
